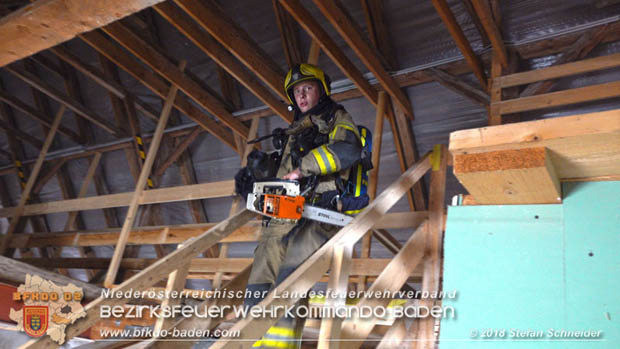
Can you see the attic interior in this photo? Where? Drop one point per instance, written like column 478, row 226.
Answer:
column 486, row 106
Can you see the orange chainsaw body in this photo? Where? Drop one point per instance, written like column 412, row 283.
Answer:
column 283, row 206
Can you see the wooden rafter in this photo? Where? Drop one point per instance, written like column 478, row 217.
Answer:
column 222, row 57
column 378, row 31
column 51, row 22
column 155, row 84
column 62, row 98
column 167, row 69
column 289, row 35
column 476, row 20
column 347, row 28
column 19, row 134
column 37, row 115
column 485, row 14
column 299, row 12
column 224, row 29
column 461, row 41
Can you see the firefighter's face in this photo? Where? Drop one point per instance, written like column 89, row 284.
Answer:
column 307, row 95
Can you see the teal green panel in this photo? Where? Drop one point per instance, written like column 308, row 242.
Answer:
column 592, row 228
column 506, row 266
column 535, row 267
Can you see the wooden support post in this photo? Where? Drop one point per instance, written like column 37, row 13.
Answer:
column 495, row 116
column 373, row 178
column 31, row 180
column 176, row 282
column 340, row 269
column 144, row 175
column 431, row 280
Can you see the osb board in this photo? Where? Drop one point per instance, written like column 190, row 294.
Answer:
column 580, row 146
column 523, row 176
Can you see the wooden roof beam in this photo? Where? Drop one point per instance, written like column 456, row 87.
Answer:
column 78, row 108
column 378, row 31
column 476, row 20
column 15, row 103
column 304, row 18
column 461, row 41
column 168, row 70
column 347, row 28
column 51, row 22
column 289, row 35
column 485, row 14
column 222, row 57
column 100, row 78
column 19, row 134
column 155, row 84
column 224, row 29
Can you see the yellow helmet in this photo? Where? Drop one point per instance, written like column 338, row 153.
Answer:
column 303, row 72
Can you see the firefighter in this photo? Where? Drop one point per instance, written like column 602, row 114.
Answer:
column 327, row 149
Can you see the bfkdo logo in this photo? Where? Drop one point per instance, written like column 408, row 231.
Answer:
column 36, row 319
column 48, row 308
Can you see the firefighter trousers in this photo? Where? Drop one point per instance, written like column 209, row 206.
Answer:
column 282, row 248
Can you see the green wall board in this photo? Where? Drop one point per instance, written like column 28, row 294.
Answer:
column 533, row 268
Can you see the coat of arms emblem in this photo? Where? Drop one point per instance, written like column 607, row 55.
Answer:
column 35, row 320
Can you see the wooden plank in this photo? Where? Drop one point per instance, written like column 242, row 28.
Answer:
column 523, row 176
column 155, row 84
column 149, row 276
column 83, row 189
column 347, row 28
column 178, row 151
column 224, row 29
column 368, row 267
column 476, row 20
column 433, row 248
column 51, row 22
column 579, row 49
column 6, row 238
column 175, row 234
column 155, row 196
column 485, row 14
column 442, row 8
column 391, row 279
column 307, row 274
column 561, row 70
column 314, row 29
column 76, row 107
column 223, row 58
column 378, row 31
column 586, row 145
column 329, row 332
column 16, row 271
column 400, row 152
column 373, row 176
column 566, row 97
column 144, row 175
column 159, row 63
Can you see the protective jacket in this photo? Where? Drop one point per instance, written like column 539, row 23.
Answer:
column 328, row 149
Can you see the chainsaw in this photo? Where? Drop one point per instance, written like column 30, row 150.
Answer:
column 284, row 201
